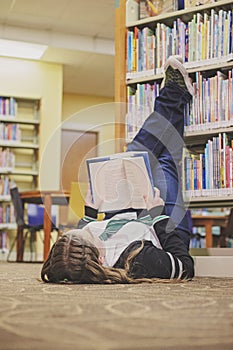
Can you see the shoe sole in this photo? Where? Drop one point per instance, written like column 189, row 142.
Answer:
column 176, row 64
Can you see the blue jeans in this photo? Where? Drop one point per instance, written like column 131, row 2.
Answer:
column 161, row 136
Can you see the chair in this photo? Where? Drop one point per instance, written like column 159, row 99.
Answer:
column 23, row 229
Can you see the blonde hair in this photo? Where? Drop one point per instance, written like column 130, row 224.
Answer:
column 73, row 259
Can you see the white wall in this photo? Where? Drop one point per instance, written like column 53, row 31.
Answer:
column 94, row 114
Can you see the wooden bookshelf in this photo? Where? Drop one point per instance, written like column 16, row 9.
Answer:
column 185, row 14
column 211, row 202
column 123, row 80
column 22, row 117
column 120, row 74
column 20, row 122
column 200, row 66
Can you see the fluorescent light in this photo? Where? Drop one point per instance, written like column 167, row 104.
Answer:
column 21, row 49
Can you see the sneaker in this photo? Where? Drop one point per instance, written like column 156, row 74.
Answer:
column 175, row 72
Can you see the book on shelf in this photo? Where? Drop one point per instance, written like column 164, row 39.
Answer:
column 204, row 40
column 193, row 3
column 211, row 106
column 120, row 181
column 10, row 132
column 3, row 241
column 211, row 172
column 140, row 52
column 7, row 159
column 143, row 12
column 148, row 8
column 7, row 215
column 140, row 105
column 212, row 103
column 8, row 106
column 5, row 183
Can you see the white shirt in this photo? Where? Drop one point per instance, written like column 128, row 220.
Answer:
column 128, row 233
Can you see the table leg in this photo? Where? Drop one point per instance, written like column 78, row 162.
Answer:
column 19, row 245
column 47, row 223
column 208, row 235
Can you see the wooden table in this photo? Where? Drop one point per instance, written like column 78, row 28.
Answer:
column 208, row 221
column 47, row 198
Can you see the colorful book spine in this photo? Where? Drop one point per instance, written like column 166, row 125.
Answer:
column 10, row 132
column 7, row 158
column 140, row 52
column 140, row 105
column 212, row 103
column 8, row 106
column 211, row 172
column 204, row 37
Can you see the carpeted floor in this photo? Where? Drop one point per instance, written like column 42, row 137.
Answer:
column 38, row 316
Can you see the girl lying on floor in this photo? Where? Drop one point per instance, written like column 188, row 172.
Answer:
column 136, row 246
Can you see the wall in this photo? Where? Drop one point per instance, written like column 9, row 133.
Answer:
column 91, row 113
column 25, row 78
column 34, row 79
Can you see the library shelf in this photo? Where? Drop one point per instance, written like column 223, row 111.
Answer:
column 194, row 136
column 19, row 154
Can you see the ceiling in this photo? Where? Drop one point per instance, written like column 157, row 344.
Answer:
column 79, row 35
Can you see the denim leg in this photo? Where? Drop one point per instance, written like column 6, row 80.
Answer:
column 162, row 137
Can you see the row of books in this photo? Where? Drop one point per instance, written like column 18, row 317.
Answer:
column 205, row 37
column 5, row 185
column 7, row 215
column 210, row 172
column 7, row 159
column 157, row 7
column 10, row 132
column 212, row 103
column 3, row 241
column 141, row 50
column 140, row 104
column 198, row 240
column 211, row 106
column 193, row 3
column 149, row 8
column 8, row 106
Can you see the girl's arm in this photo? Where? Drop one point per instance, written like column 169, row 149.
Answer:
column 90, row 214
column 173, row 244
column 154, row 206
column 173, row 261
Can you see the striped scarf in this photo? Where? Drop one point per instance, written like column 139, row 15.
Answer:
column 114, row 226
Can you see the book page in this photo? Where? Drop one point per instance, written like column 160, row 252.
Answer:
column 109, row 185
column 120, row 181
column 138, row 180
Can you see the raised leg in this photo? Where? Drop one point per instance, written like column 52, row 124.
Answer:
column 162, row 136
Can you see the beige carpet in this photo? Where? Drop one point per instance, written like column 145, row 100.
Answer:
column 34, row 315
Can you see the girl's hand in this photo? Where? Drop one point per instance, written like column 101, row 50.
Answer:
column 155, row 201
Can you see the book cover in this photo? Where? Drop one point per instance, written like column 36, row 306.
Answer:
column 129, row 51
column 120, row 181
column 135, row 50
column 212, row 29
column 227, row 166
column 203, row 163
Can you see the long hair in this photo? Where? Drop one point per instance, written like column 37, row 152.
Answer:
column 73, row 259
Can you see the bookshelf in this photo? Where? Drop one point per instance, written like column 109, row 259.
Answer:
column 209, row 68
column 19, row 142
column 19, row 152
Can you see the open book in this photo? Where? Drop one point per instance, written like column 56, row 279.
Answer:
column 120, row 181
